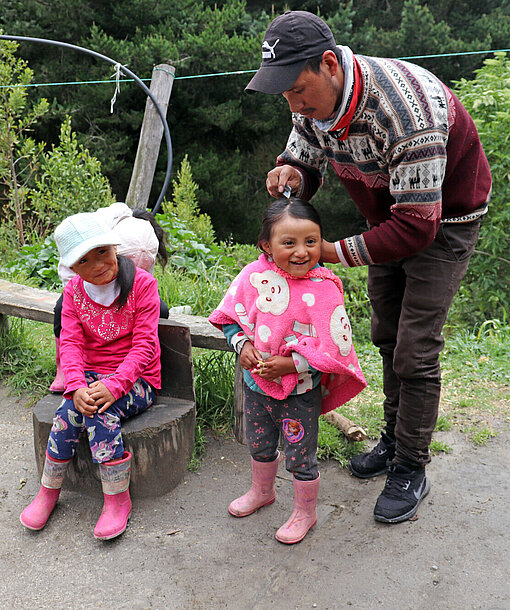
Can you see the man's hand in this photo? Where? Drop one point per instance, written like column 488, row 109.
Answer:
column 274, row 367
column 101, row 395
column 328, row 252
column 249, row 356
column 279, row 177
column 83, row 402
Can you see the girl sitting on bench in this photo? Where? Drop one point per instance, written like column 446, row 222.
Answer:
column 141, row 239
column 110, row 355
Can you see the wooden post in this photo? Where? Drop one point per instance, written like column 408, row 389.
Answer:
column 4, row 325
column 239, row 432
column 150, row 138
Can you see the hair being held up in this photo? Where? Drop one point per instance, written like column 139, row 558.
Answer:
column 277, row 209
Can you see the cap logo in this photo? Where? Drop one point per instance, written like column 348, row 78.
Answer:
column 269, row 52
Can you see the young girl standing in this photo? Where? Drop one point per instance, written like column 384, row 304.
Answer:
column 285, row 317
column 110, row 355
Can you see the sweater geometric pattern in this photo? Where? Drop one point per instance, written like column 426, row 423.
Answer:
column 406, row 126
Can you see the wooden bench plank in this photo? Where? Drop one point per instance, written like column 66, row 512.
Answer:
column 35, row 304
column 203, row 333
column 26, row 302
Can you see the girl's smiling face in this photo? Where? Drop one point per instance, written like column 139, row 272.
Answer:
column 295, row 245
column 99, row 266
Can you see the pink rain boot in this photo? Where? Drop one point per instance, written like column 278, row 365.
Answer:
column 37, row 513
column 261, row 492
column 58, row 384
column 304, row 515
column 115, row 477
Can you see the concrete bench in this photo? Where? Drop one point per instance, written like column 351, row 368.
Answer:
column 162, row 438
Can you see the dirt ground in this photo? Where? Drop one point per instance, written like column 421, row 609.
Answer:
column 185, row 551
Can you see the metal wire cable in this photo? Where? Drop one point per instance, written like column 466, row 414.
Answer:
column 127, row 72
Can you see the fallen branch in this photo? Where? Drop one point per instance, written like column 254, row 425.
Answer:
column 351, row 430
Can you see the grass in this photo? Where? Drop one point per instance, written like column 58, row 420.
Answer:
column 475, row 392
column 27, row 357
column 476, row 386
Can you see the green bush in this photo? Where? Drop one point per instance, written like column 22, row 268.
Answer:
column 37, row 262
column 485, row 291
column 19, row 153
column 69, row 181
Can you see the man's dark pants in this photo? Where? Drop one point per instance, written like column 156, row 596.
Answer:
column 410, row 300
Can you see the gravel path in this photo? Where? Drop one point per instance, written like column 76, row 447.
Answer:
column 184, row 551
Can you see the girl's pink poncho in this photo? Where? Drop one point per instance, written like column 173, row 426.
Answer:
column 282, row 314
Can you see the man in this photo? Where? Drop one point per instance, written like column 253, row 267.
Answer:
column 410, row 157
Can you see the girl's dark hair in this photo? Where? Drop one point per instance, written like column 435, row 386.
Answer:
column 294, row 207
column 125, row 278
column 158, row 230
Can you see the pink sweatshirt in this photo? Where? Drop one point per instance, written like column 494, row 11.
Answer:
column 123, row 343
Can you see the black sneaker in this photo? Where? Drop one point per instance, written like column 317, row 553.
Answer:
column 375, row 462
column 404, row 490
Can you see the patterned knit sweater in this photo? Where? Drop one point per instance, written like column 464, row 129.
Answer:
column 412, row 159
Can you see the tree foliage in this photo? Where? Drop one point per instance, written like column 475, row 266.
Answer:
column 231, row 138
column 19, row 153
column 41, row 186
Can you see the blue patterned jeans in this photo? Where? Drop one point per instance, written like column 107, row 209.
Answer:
column 103, row 429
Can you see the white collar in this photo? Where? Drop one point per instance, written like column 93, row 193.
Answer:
column 105, row 294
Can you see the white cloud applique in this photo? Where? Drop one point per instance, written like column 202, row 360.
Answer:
column 264, row 333
column 273, row 292
column 340, row 329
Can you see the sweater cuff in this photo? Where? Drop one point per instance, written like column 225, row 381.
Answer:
column 300, row 362
column 300, row 190
column 340, row 254
column 237, row 342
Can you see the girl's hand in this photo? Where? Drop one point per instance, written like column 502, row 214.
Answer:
column 83, row 402
column 101, row 395
column 249, row 356
column 274, row 367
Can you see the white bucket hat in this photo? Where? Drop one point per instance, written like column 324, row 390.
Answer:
column 81, row 233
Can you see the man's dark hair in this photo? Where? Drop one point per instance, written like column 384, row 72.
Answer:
column 314, row 63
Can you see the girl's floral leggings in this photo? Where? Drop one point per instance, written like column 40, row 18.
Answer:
column 294, row 421
column 103, row 429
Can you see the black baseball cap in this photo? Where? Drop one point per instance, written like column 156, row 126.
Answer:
column 290, row 40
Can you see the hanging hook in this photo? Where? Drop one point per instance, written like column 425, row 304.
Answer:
column 117, row 86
